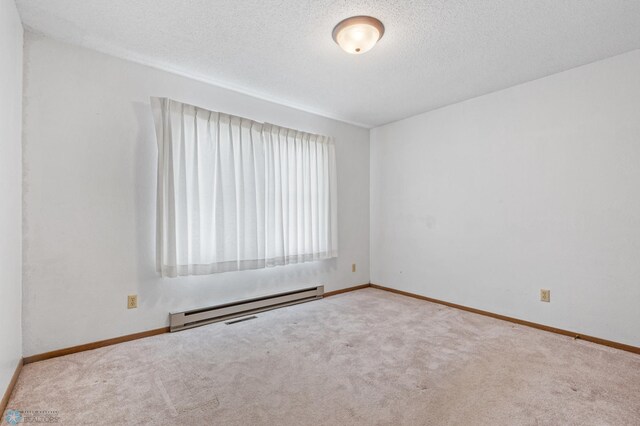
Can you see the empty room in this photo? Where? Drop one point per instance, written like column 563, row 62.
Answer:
column 327, row 212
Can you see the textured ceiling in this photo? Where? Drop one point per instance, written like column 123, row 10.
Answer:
column 433, row 53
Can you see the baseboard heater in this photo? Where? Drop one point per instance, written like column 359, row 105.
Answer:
column 202, row 316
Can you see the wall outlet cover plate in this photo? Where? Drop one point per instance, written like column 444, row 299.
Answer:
column 132, row 301
column 545, row 295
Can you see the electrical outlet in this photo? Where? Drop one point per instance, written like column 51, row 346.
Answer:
column 545, row 295
column 132, row 301
column 353, row 267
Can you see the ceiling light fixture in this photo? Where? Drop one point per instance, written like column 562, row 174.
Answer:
column 358, row 34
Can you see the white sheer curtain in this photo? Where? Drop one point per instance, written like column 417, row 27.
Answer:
column 236, row 194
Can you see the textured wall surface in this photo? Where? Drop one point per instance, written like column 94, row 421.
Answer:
column 10, row 191
column 433, row 53
column 485, row 202
column 90, row 191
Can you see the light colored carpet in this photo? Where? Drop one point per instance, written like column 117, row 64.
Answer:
column 366, row 357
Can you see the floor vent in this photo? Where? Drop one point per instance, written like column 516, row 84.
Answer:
column 240, row 320
column 197, row 317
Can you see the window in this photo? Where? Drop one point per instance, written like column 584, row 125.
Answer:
column 236, row 194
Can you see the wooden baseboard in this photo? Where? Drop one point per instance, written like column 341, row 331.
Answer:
column 573, row 334
column 94, row 345
column 12, row 384
column 129, row 337
column 345, row 290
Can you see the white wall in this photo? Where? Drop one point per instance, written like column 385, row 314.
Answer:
column 10, row 191
column 89, row 200
column 485, row 202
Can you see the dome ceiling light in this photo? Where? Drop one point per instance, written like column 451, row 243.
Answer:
column 358, row 34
